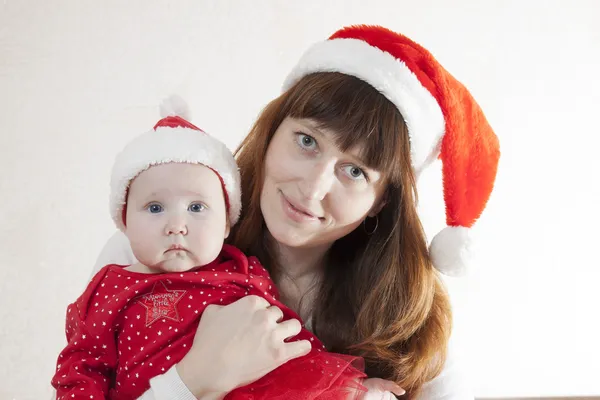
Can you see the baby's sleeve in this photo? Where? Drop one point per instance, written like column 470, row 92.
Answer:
column 256, row 268
column 85, row 366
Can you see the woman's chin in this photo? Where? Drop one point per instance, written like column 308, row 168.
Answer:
column 291, row 236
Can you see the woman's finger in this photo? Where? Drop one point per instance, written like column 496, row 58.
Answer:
column 296, row 349
column 275, row 313
column 287, row 329
column 383, row 385
column 256, row 302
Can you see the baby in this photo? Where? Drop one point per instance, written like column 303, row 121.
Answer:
column 175, row 193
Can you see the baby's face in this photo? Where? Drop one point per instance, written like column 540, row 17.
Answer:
column 176, row 217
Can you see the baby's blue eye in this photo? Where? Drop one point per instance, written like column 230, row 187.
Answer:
column 196, row 207
column 155, row 208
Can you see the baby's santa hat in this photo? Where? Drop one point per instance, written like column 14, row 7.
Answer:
column 174, row 140
column 442, row 118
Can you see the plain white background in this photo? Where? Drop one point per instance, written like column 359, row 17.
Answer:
column 78, row 79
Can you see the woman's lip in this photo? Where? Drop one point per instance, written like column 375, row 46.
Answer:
column 295, row 212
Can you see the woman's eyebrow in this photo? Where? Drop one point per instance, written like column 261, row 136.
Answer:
column 357, row 159
column 314, row 129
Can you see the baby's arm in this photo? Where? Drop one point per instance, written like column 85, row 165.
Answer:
column 86, row 363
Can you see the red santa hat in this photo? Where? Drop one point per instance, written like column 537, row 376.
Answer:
column 174, row 139
column 442, row 118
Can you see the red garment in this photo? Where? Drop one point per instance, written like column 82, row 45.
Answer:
column 128, row 327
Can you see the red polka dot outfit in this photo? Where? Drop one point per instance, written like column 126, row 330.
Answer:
column 129, row 327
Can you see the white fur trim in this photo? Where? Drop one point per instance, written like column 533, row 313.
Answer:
column 391, row 77
column 175, row 106
column 450, row 250
column 182, row 145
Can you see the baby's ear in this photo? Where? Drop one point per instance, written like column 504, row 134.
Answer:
column 227, row 227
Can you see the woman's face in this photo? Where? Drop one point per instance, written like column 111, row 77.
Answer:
column 313, row 193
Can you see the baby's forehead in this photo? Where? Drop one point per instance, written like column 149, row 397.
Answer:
column 182, row 179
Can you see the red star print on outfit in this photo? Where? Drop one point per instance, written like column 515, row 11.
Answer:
column 129, row 327
column 161, row 303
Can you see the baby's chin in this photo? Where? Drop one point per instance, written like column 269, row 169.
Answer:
column 175, row 262
column 171, row 265
column 174, row 266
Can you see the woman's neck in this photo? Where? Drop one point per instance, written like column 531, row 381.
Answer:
column 300, row 263
column 300, row 270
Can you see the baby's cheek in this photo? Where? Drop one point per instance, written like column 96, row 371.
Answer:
column 146, row 249
column 208, row 246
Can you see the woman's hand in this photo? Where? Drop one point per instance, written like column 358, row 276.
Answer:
column 380, row 389
column 236, row 345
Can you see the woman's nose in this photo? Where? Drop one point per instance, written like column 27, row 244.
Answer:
column 317, row 180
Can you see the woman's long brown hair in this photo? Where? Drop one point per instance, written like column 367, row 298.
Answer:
column 380, row 297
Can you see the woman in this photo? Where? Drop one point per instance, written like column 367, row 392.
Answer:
column 329, row 206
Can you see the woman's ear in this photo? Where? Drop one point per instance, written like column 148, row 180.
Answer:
column 375, row 210
column 378, row 206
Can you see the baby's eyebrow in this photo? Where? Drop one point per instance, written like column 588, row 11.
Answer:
column 151, row 196
column 194, row 194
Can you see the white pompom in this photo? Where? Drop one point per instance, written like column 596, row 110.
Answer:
column 450, row 251
column 174, row 106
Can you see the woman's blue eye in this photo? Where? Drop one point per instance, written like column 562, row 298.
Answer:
column 354, row 172
column 196, row 207
column 306, row 141
column 155, row 208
